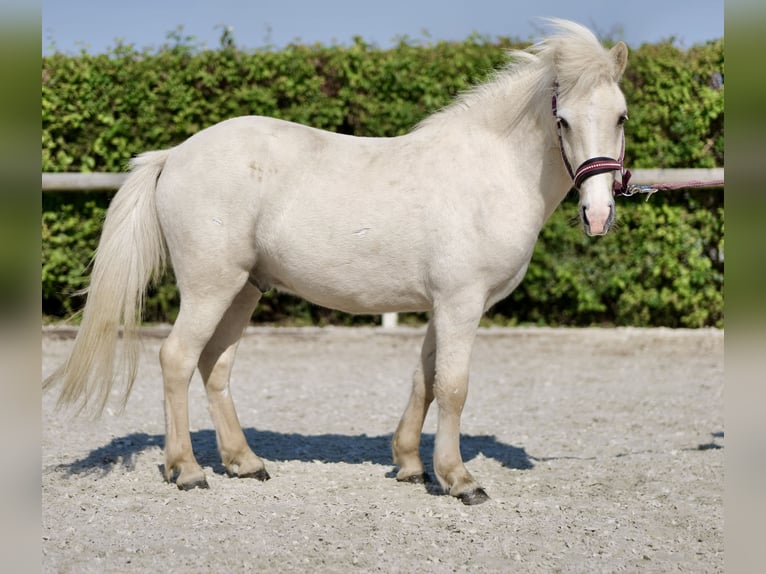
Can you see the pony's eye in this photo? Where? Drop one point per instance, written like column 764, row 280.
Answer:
column 622, row 120
column 562, row 123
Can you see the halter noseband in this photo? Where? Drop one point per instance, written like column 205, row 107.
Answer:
column 594, row 165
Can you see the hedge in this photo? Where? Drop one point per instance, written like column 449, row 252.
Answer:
column 663, row 265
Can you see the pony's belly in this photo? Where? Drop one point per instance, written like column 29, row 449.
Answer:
column 360, row 303
column 349, row 288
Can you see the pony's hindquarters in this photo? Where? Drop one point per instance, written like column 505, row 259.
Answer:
column 131, row 252
column 206, row 204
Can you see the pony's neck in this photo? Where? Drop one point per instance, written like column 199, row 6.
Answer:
column 517, row 109
column 514, row 110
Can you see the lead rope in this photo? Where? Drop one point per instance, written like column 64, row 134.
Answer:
column 651, row 189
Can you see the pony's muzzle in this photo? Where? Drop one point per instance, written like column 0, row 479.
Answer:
column 597, row 200
column 597, row 218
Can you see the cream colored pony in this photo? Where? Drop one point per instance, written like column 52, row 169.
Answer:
column 443, row 219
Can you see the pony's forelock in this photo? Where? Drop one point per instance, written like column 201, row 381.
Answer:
column 573, row 54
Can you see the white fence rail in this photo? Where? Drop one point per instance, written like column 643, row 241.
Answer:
column 85, row 182
column 110, row 181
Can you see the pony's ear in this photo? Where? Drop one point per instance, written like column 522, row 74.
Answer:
column 620, row 57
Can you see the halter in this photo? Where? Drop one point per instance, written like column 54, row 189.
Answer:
column 594, row 165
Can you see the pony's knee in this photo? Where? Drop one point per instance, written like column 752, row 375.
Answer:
column 451, row 393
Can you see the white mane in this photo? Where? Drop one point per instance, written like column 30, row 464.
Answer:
column 571, row 55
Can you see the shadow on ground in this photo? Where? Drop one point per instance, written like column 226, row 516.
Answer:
column 272, row 446
column 121, row 452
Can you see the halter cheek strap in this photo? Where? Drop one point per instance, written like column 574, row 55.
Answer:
column 594, row 165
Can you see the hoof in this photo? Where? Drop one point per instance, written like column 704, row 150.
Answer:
column 261, row 475
column 199, row 483
column 476, row 496
column 422, row 478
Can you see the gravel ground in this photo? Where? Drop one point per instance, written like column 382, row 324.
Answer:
column 601, row 450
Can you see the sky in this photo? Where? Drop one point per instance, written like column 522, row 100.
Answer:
column 96, row 25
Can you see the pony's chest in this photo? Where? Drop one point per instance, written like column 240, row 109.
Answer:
column 505, row 288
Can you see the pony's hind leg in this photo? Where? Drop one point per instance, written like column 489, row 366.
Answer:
column 406, row 442
column 215, row 365
column 198, row 318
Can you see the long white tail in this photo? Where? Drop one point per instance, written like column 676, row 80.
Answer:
column 131, row 253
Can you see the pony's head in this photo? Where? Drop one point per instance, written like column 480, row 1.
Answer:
column 589, row 111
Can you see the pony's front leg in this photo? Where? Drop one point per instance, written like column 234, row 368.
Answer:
column 455, row 328
column 406, row 442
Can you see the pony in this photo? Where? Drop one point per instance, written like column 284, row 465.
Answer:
column 443, row 219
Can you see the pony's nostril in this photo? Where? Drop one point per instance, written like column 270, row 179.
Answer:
column 585, row 215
